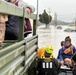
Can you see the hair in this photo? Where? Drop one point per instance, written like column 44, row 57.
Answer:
column 62, row 43
column 68, row 39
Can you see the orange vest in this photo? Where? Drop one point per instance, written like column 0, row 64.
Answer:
column 40, row 52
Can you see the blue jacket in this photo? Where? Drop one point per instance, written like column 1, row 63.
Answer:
column 61, row 54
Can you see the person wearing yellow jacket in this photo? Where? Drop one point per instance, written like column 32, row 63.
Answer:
column 46, row 62
column 45, row 51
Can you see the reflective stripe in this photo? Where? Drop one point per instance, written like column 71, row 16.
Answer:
column 50, row 64
column 43, row 65
column 49, row 58
column 47, row 65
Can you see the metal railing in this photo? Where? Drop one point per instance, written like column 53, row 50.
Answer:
column 16, row 58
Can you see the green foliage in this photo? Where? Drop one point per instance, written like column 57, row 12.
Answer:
column 41, row 18
column 50, row 18
column 45, row 18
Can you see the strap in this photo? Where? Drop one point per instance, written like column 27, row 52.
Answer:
column 72, row 47
column 45, row 58
column 67, row 50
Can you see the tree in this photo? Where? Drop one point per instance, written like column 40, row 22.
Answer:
column 41, row 18
column 50, row 18
column 45, row 18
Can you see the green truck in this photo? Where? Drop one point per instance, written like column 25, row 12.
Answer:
column 17, row 57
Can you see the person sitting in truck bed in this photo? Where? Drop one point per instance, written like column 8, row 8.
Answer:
column 12, row 26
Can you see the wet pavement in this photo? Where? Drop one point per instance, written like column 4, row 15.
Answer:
column 52, row 36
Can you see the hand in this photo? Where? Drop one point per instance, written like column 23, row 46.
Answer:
column 28, row 10
column 62, row 62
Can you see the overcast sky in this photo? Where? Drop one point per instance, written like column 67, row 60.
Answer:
column 65, row 9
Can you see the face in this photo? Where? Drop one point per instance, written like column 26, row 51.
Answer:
column 13, row 1
column 63, row 43
column 67, row 43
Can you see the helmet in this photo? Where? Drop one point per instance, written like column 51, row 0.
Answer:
column 49, row 49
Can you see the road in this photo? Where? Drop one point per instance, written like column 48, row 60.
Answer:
column 52, row 36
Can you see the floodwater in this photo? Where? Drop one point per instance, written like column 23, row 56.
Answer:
column 52, row 36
